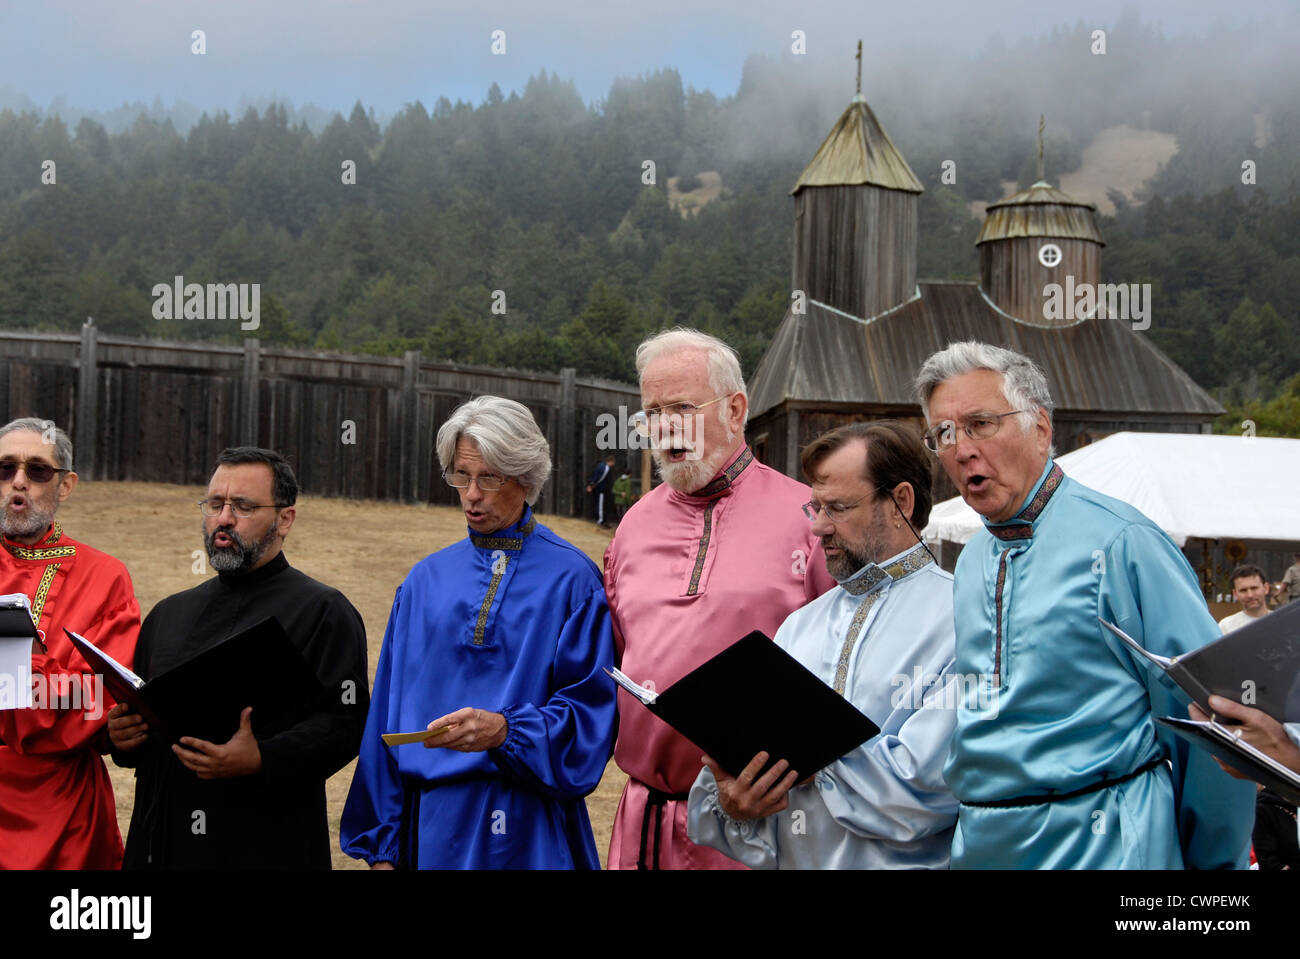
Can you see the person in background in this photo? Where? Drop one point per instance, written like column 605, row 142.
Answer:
column 622, row 496
column 1289, row 587
column 1275, row 835
column 1250, row 589
column 599, row 486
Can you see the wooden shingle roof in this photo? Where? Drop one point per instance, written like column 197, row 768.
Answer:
column 827, row 357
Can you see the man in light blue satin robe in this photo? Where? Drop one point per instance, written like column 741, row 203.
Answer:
column 884, row 639
column 498, row 644
column 1059, row 763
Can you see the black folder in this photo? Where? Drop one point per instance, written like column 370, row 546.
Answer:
column 1243, row 757
column 204, row 696
column 16, row 623
column 1263, row 657
column 754, row 697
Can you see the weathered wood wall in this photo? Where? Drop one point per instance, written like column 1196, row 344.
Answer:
column 855, row 247
column 353, row 426
column 1014, row 279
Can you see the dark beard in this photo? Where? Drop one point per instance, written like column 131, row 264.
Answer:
column 239, row 557
column 846, row 564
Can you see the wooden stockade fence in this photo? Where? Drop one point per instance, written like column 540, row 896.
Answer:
column 352, row 426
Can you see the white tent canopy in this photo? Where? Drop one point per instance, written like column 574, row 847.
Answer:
column 1192, row 485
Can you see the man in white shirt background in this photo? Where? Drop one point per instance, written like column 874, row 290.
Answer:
column 1250, row 589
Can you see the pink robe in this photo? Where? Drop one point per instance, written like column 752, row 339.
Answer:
column 687, row 575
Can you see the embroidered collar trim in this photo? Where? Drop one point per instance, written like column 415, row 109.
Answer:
column 45, row 549
column 723, row 481
column 873, row 577
column 1022, row 527
column 506, row 542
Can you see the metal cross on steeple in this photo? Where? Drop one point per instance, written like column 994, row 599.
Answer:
column 1042, row 122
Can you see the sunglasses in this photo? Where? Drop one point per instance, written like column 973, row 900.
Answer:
column 36, row 471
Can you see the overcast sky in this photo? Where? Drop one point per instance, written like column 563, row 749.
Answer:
column 99, row 54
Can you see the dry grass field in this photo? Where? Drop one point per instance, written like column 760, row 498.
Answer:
column 362, row 548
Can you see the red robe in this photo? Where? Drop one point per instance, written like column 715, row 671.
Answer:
column 56, row 800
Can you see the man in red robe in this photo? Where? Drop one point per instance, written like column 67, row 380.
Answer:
column 56, row 800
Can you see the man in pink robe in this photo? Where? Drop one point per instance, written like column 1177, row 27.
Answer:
column 720, row 549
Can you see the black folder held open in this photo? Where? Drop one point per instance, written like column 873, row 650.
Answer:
column 204, row 696
column 755, row 697
column 1263, row 657
column 1222, row 742
column 1258, row 664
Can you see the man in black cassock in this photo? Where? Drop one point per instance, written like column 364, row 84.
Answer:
column 258, row 800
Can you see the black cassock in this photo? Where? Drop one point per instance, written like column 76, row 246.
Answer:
column 275, row 818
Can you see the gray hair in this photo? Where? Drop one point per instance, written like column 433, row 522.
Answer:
column 1023, row 383
column 34, row 424
column 724, row 363
column 507, row 437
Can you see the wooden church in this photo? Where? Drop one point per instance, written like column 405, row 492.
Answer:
column 849, row 347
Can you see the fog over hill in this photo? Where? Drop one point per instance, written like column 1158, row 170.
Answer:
column 1185, row 69
column 543, row 173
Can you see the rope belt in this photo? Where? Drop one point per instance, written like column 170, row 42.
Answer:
column 1060, row 797
column 655, row 801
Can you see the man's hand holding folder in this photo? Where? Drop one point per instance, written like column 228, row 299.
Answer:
column 126, row 729
column 1257, row 729
column 1263, row 657
column 749, row 795
column 238, row 756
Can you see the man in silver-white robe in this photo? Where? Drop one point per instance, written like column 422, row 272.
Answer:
column 884, row 638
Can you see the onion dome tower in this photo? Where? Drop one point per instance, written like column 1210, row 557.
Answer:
column 1038, row 237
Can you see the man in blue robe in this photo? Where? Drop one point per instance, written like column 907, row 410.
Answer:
column 883, row 639
column 1061, row 764
column 498, row 645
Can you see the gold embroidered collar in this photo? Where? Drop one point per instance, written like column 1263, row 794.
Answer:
column 45, row 549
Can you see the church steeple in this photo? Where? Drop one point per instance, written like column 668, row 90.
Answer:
column 856, row 217
column 1015, row 267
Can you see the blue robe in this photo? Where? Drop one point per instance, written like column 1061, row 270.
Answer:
column 516, row 623
column 1063, row 705
column 884, row 639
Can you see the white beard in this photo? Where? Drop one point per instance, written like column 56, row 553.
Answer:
column 691, row 474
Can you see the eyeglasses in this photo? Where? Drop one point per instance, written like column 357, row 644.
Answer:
column 240, row 507
column 979, row 426
column 487, row 483
column 645, row 420
column 834, row 511
column 36, row 471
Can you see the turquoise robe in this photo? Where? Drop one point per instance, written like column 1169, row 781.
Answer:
column 1064, row 706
